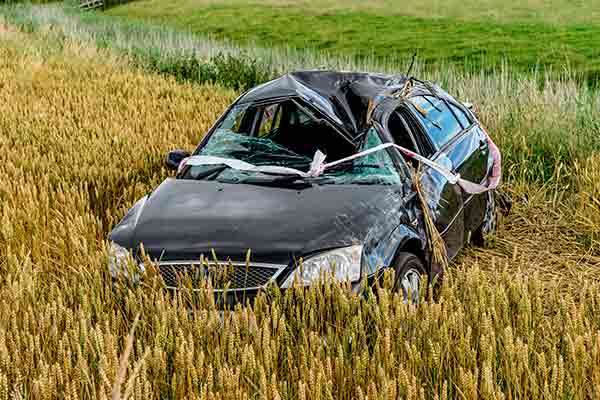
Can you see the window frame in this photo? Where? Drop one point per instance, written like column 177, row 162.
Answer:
column 421, row 141
column 386, row 137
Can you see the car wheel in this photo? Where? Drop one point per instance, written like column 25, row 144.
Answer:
column 488, row 226
column 409, row 276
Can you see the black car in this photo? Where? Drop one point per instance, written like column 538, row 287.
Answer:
column 246, row 202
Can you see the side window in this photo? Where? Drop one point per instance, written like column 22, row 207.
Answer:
column 465, row 121
column 270, row 119
column 399, row 132
column 297, row 117
column 439, row 121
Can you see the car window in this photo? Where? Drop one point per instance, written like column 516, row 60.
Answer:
column 400, row 133
column 464, row 120
column 439, row 121
column 233, row 120
column 270, row 120
column 298, row 117
column 284, row 135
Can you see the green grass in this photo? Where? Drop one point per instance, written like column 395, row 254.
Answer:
column 473, row 43
column 543, row 11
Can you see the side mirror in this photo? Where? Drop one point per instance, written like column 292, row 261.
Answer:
column 175, row 157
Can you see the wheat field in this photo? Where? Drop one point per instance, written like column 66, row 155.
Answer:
column 83, row 134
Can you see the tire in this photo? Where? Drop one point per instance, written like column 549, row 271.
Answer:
column 490, row 218
column 409, row 276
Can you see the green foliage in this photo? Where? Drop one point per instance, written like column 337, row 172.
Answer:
column 238, row 72
column 228, row 67
column 473, row 44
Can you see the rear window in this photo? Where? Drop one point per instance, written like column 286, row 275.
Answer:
column 439, row 121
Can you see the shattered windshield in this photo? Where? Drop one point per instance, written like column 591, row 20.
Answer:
column 285, row 134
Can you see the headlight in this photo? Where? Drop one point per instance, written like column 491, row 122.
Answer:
column 121, row 263
column 343, row 264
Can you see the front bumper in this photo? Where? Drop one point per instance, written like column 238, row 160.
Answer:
column 232, row 283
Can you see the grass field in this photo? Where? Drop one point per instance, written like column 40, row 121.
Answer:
column 473, row 35
column 84, row 126
column 544, row 11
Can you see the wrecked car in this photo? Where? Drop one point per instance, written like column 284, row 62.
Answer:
column 259, row 197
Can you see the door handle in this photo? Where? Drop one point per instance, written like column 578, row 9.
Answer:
column 482, row 144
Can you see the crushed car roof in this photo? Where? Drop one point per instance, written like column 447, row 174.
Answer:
column 344, row 97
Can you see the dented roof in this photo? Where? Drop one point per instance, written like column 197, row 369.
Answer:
column 344, row 97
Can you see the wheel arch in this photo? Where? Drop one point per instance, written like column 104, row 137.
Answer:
column 415, row 246
column 407, row 239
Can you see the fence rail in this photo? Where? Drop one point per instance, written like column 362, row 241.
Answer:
column 91, row 4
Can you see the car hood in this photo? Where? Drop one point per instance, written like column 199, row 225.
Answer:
column 182, row 219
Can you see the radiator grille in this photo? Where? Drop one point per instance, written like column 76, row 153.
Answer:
column 231, row 276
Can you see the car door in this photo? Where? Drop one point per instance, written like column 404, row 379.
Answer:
column 470, row 152
column 462, row 145
column 444, row 199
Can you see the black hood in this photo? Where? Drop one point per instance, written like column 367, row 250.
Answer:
column 182, row 219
